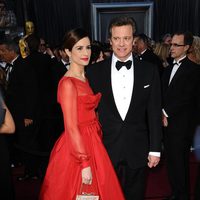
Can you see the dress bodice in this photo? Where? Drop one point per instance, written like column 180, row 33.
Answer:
column 87, row 101
column 86, row 107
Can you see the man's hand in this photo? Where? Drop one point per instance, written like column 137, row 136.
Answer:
column 164, row 120
column 28, row 122
column 153, row 161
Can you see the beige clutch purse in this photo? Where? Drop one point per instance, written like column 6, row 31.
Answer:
column 86, row 196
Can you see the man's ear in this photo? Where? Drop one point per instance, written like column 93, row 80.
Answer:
column 187, row 48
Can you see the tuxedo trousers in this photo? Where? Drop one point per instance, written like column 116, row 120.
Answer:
column 133, row 181
column 177, row 150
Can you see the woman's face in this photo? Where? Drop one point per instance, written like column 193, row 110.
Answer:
column 80, row 53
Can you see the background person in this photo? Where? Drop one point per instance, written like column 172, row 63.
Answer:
column 181, row 104
column 7, row 126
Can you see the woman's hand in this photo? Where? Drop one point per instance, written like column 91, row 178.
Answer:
column 87, row 176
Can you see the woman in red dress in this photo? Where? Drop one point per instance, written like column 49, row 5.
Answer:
column 79, row 161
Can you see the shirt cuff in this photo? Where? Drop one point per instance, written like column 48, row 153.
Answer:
column 164, row 113
column 154, row 154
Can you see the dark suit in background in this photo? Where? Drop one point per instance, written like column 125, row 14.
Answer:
column 21, row 100
column 45, row 122
column 181, row 103
column 149, row 56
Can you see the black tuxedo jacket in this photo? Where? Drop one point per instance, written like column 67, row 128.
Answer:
column 181, row 98
column 149, row 56
column 140, row 132
column 21, row 89
column 58, row 70
column 45, row 100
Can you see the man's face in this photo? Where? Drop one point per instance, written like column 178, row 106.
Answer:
column 178, row 48
column 5, row 54
column 42, row 46
column 135, row 46
column 141, row 46
column 122, row 41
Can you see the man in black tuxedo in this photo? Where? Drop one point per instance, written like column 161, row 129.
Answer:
column 20, row 95
column 130, row 108
column 145, row 52
column 181, row 101
column 46, row 127
column 60, row 67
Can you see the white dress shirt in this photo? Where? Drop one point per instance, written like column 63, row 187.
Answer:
column 10, row 68
column 122, row 86
column 175, row 68
column 66, row 64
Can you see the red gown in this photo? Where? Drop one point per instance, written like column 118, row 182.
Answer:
column 79, row 146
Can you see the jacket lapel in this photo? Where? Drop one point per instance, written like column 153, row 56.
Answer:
column 166, row 77
column 108, row 88
column 137, row 73
column 178, row 73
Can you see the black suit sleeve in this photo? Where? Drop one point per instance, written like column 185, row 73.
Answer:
column 154, row 114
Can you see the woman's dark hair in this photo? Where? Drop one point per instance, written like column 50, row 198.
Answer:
column 72, row 37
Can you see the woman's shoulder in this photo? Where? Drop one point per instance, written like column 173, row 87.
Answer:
column 66, row 81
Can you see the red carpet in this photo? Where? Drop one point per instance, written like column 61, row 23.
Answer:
column 157, row 183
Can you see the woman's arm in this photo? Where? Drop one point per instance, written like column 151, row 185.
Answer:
column 8, row 126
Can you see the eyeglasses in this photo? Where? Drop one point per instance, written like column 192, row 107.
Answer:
column 177, row 45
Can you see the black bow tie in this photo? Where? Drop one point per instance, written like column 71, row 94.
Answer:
column 179, row 62
column 120, row 64
column 8, row 66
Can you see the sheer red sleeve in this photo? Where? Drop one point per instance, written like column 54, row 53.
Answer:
column 67, row 96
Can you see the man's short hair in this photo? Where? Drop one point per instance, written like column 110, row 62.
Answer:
column 188, row 37
column 10, row 45
column 121, row 21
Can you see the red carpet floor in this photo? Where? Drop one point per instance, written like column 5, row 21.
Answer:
column 157, row 183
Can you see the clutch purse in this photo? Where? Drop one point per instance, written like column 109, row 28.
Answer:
column 86, row 196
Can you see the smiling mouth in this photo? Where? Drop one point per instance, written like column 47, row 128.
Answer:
column 85, row 59
column 121, row 49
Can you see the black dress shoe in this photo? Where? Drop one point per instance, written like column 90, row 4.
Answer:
column 34, row 177
column 27, row 177
column 170, row 198
column 23, row 178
